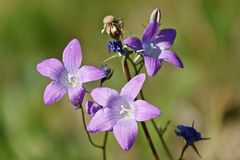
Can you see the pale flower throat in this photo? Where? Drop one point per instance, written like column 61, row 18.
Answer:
column 126, row 111
column 73, row 80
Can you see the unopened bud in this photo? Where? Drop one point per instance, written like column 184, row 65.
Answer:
column 156, row 15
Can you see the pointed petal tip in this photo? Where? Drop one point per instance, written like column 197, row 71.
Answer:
column 74, row 41
column 72, row 55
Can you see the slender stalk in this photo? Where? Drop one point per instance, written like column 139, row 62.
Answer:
column 162, row 140
column 128, row 75
column 183, row 150
column 85, row 127
column 105, row 138
column 152, row 120
column 105, row 145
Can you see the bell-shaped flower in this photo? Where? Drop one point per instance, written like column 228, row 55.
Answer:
column 154, row 47
column 121, row 111
column 68, row 77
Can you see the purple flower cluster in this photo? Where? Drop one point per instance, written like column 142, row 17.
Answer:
column 112, row 110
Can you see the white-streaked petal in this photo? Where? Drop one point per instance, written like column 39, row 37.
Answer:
column 171, row 57
column 91, row 73
column 51, row 68
column 103, row 120
column 76, row 95
column 152, row 65
column 133, row 87
column 125, row 131
column 72, row 56
column 145, row 111
column 105, row 96
column 53, row 93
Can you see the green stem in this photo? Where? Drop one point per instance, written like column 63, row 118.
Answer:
column 183, row 150
column 152, row 120
column 128, row 75
column 105, row 145
column 162, row 140
column 85, row 127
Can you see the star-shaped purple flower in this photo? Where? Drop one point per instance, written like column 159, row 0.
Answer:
column 121, row 112
column 69, row 76
column 154, row 47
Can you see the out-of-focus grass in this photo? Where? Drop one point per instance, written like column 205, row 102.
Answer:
column 206, row 91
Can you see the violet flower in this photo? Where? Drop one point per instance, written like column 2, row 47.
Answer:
column 121, row 112
column 154, row 47
column 68, row 77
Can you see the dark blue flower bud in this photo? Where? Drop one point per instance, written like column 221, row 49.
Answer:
column 115, row 46
column 188, row 133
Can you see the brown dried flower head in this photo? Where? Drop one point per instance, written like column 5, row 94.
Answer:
column 113, row 27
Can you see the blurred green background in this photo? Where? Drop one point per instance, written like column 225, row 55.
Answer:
column 207, row 90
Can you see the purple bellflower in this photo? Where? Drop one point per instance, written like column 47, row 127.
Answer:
column 68, row 77
column 154, row 47
column 121, row 112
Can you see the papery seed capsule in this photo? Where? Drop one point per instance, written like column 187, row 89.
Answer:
column 113, row 27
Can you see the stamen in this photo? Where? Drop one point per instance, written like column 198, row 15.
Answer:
column 73, row 80
column 127, row 112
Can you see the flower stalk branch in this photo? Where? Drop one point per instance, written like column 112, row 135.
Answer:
column 85, row 128
column 149, row 139
column 103, row 147
column 152, row 120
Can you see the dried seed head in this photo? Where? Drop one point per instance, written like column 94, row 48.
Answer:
column 113, row 27
column 155, row 15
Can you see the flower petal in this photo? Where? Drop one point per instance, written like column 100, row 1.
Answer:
column 76, row 95
column 133, row 42
column 72, row 56
column 51, row 68
column 165, row 38
column 125, row 131
column 91, row 73
column 92, row 108
column 133, row 87
column 53, row 93
column 104, row 96
column 171, row 57
column 145, row 111
column 150, row 31
column 152, row 65
column 103, row 120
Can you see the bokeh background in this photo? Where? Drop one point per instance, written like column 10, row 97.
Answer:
column 206, row 91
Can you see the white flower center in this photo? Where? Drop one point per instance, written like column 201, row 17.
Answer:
column 73, row 80
column 126, row 111
column 152, row 50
